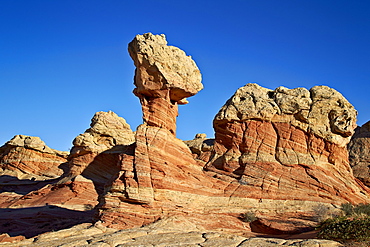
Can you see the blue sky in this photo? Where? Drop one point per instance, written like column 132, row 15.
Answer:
column 62, row 60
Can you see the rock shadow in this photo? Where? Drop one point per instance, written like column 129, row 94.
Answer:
column 106, row 165
column 22, row 186
column 33, row 221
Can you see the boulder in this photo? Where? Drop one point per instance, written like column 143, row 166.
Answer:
column 164, row 77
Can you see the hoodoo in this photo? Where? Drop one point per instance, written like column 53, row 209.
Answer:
column 280, row 154
column 275, row 151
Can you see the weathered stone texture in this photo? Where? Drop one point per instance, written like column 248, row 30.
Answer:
column 160, row 67
column 277, row 153
column 359, row 153
column 106, row 130
column 28, row 157
column 164, row 77
column 287, row 143
column 175, row 231
column 272, row 148
column 95, row 152
column 322, row 110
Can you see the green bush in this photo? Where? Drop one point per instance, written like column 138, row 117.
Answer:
column 343, row 229
column 353, row 225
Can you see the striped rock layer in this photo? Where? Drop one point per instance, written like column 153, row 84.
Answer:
column 288, row 144
column 275, row 151
column 27, row 157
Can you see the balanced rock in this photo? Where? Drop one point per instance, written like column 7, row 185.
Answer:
column 359, row 150
column 164, row 77
column 279, row 154
column 161, row 172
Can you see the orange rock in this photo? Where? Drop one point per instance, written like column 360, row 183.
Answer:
column 27, row 157
column 268, row 156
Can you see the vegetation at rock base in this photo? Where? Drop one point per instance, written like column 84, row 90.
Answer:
column 352, row 226
column 248, row 217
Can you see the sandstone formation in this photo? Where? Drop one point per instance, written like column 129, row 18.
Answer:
column 164, row 77
column 276, row 151
column 95, row 153
column 278, row 154
column 68, row 199
column 161, row 175
column 359, row 150
column 287, row 144
column 26, row 165
column 27, row 157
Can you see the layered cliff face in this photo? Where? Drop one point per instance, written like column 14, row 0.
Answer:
column 359, row 150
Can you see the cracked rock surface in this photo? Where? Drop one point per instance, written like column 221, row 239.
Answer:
column 156, row 235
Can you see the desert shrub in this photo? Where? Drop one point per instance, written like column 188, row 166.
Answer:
column 248, row 217
column 361, row 209
column 344, row 229
column 347, row 209
column 353, row 224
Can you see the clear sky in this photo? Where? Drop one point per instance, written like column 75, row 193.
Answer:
column 63, row 60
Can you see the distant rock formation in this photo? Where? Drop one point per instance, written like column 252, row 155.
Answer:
column 359, row 153
column 27, row 157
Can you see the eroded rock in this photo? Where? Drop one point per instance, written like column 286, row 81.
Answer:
column 95, row 153
column 281, row 151
column 359, row 150
column 28, row 157
column 287, row 143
